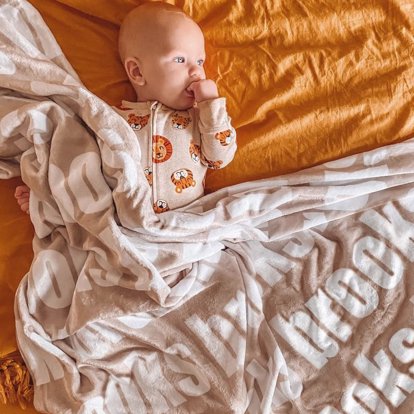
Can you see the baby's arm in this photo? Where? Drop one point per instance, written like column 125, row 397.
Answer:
column 22, row 195
column 218, row 137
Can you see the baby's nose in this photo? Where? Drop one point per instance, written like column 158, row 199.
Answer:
column 197, row 72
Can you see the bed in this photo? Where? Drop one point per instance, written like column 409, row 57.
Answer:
column 307, row 83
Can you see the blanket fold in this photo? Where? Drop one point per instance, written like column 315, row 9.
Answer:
column 290, row 294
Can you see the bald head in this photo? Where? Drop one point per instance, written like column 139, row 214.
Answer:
column 163, row 52
column 145, row 27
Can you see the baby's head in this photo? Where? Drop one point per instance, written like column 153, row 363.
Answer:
column 162, row 50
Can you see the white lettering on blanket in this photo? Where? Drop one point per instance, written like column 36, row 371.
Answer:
column 124, row 396
column 375, row 260
column 266, row 378
column 147, row 373
column 149, row 387
column 95, row 197
column 148, row 382
column 303, row 244
column 7, row 67
column 320, row 305
column 46, row 367
column 269, row 265
column 174, row 358
column 393, row 227
column 383, row 376
column 368, row 252
column 301, row 323
column 212, row 342
column 57, row 293
column 365, row 394
column 399, row 349
column 346, row 288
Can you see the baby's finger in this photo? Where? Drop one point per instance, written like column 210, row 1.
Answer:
column 21, row 189
column 25, row 207
column 22, row 200
column 22, row 196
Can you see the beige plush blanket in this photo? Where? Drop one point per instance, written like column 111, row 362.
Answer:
column 287, row 295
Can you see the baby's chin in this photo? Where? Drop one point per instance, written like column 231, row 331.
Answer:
column 181, row 103
column 183, row 107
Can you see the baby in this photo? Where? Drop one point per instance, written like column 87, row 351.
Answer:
column 179, row 119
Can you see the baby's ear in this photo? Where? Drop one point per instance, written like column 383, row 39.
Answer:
column 133, row 71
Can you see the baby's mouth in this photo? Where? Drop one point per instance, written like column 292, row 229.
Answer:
column 189, row 93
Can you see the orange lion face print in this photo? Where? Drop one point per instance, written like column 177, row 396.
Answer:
column 162, row 149
column 224, row 137
column 182, row 179
column 195, row 152
column 160, row 206
column 180, row 121
column 137, row 122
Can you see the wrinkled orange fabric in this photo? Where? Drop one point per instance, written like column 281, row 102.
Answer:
column 306, row 82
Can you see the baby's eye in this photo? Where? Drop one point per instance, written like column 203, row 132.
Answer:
column 200, row 62
column 179, row 59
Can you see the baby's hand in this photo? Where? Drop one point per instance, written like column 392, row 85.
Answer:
column 203, row 90
column 22, row 195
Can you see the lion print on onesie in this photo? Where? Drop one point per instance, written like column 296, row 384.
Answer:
column 183, row 179
column 195, row 152
column 162, row 149
column 137, row 122
column 160, row 206
column 224, row 137
column 180, row 121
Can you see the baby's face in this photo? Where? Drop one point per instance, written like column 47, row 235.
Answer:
column 170, row 61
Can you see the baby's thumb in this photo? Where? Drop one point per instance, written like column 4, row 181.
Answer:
column 193, row 84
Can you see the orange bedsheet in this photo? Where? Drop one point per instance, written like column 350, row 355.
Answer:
column 306, row 82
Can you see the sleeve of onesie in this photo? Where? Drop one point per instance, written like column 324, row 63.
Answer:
column 218, row 137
